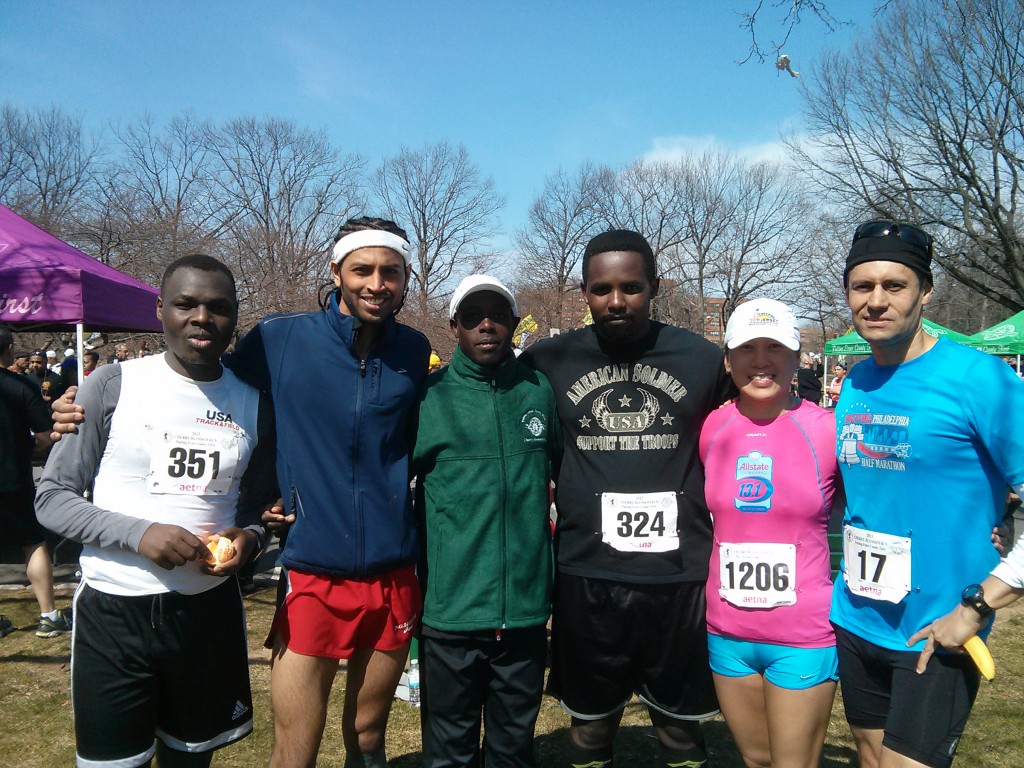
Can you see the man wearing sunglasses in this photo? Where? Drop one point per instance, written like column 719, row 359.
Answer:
column 487, row 446
column 925, row 462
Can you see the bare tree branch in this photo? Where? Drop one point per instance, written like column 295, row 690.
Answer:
column 561, row 221
column 923, row 121
column 451, row 210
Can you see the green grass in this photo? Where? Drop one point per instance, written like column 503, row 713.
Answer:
column 39, row 731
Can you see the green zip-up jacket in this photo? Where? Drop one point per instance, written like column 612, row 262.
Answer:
column 488, row 443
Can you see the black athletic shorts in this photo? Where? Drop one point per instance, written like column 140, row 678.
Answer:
column 18, row 518
column 923, row 715
column 170, row 666
column 612, row 639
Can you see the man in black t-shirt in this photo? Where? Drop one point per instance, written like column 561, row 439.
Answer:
column 22, row 413
column 45, row 380
column 633, row 531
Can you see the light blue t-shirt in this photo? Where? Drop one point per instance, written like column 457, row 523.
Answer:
column 926, row 450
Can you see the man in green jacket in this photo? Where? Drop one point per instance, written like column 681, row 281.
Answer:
column 487, row 446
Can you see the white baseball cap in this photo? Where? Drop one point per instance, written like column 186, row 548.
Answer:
column 762, row 319
column 475, row 284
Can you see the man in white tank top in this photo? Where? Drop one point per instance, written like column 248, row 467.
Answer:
column 169, row 446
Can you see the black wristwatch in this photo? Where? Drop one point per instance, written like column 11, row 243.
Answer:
column 973, row 596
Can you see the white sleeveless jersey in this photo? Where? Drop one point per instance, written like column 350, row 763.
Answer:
column 175, row 454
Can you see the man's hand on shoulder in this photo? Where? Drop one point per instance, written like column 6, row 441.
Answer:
column 170, row 546
column 66, row 415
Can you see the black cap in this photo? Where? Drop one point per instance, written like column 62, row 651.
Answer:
column 891, row 241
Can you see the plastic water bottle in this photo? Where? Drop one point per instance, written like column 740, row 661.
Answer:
column 414, row 682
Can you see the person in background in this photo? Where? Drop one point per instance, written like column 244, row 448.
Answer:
column 20, row 364
column 46, row 380
column 836, row 385
column 90, row 359
column 121, row 353
column 808, row 385
column 68, row 370
column 24, row 434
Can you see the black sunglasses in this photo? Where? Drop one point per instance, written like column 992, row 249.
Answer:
column 887, row 228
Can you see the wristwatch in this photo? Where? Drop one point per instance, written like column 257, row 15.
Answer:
column 973, row 596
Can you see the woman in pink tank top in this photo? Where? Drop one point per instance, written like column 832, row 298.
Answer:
column 771, row 476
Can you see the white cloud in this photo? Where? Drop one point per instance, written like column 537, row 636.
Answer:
column 672, row 148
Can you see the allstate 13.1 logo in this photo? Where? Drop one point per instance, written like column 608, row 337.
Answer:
column 754, row 483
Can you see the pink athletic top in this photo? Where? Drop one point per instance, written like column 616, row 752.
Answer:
column 769, row 487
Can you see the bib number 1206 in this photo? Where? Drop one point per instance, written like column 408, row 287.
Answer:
column 763, row 577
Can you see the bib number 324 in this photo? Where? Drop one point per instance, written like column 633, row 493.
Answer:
column 640, row 522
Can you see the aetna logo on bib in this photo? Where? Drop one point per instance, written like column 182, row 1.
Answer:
column 216, row 418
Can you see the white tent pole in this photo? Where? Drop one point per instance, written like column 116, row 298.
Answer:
column 81, row 362
column 824, row 379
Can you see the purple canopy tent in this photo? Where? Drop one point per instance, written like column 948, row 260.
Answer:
column 46, row 284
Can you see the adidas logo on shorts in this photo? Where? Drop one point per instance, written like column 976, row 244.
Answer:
column 240, row 709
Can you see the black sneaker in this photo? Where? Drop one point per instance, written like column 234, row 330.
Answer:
column 54, row 627
column 6, row 626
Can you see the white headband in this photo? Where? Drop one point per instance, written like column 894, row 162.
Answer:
column 370, row 238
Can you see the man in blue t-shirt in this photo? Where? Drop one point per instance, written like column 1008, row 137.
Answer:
column 925, row 462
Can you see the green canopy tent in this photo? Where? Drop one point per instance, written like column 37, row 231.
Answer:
column 1005, row 338
column 853, row 344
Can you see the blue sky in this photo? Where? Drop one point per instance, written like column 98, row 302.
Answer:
column 527, row 87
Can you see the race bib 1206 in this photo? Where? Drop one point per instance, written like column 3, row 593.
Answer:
column 756, row 575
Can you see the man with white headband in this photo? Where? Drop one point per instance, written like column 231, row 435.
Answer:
column 351, row 591
column 351, row 548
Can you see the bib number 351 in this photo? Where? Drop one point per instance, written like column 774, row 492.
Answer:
column 193, row 463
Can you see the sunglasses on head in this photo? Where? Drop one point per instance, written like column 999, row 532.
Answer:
column 886, row 228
